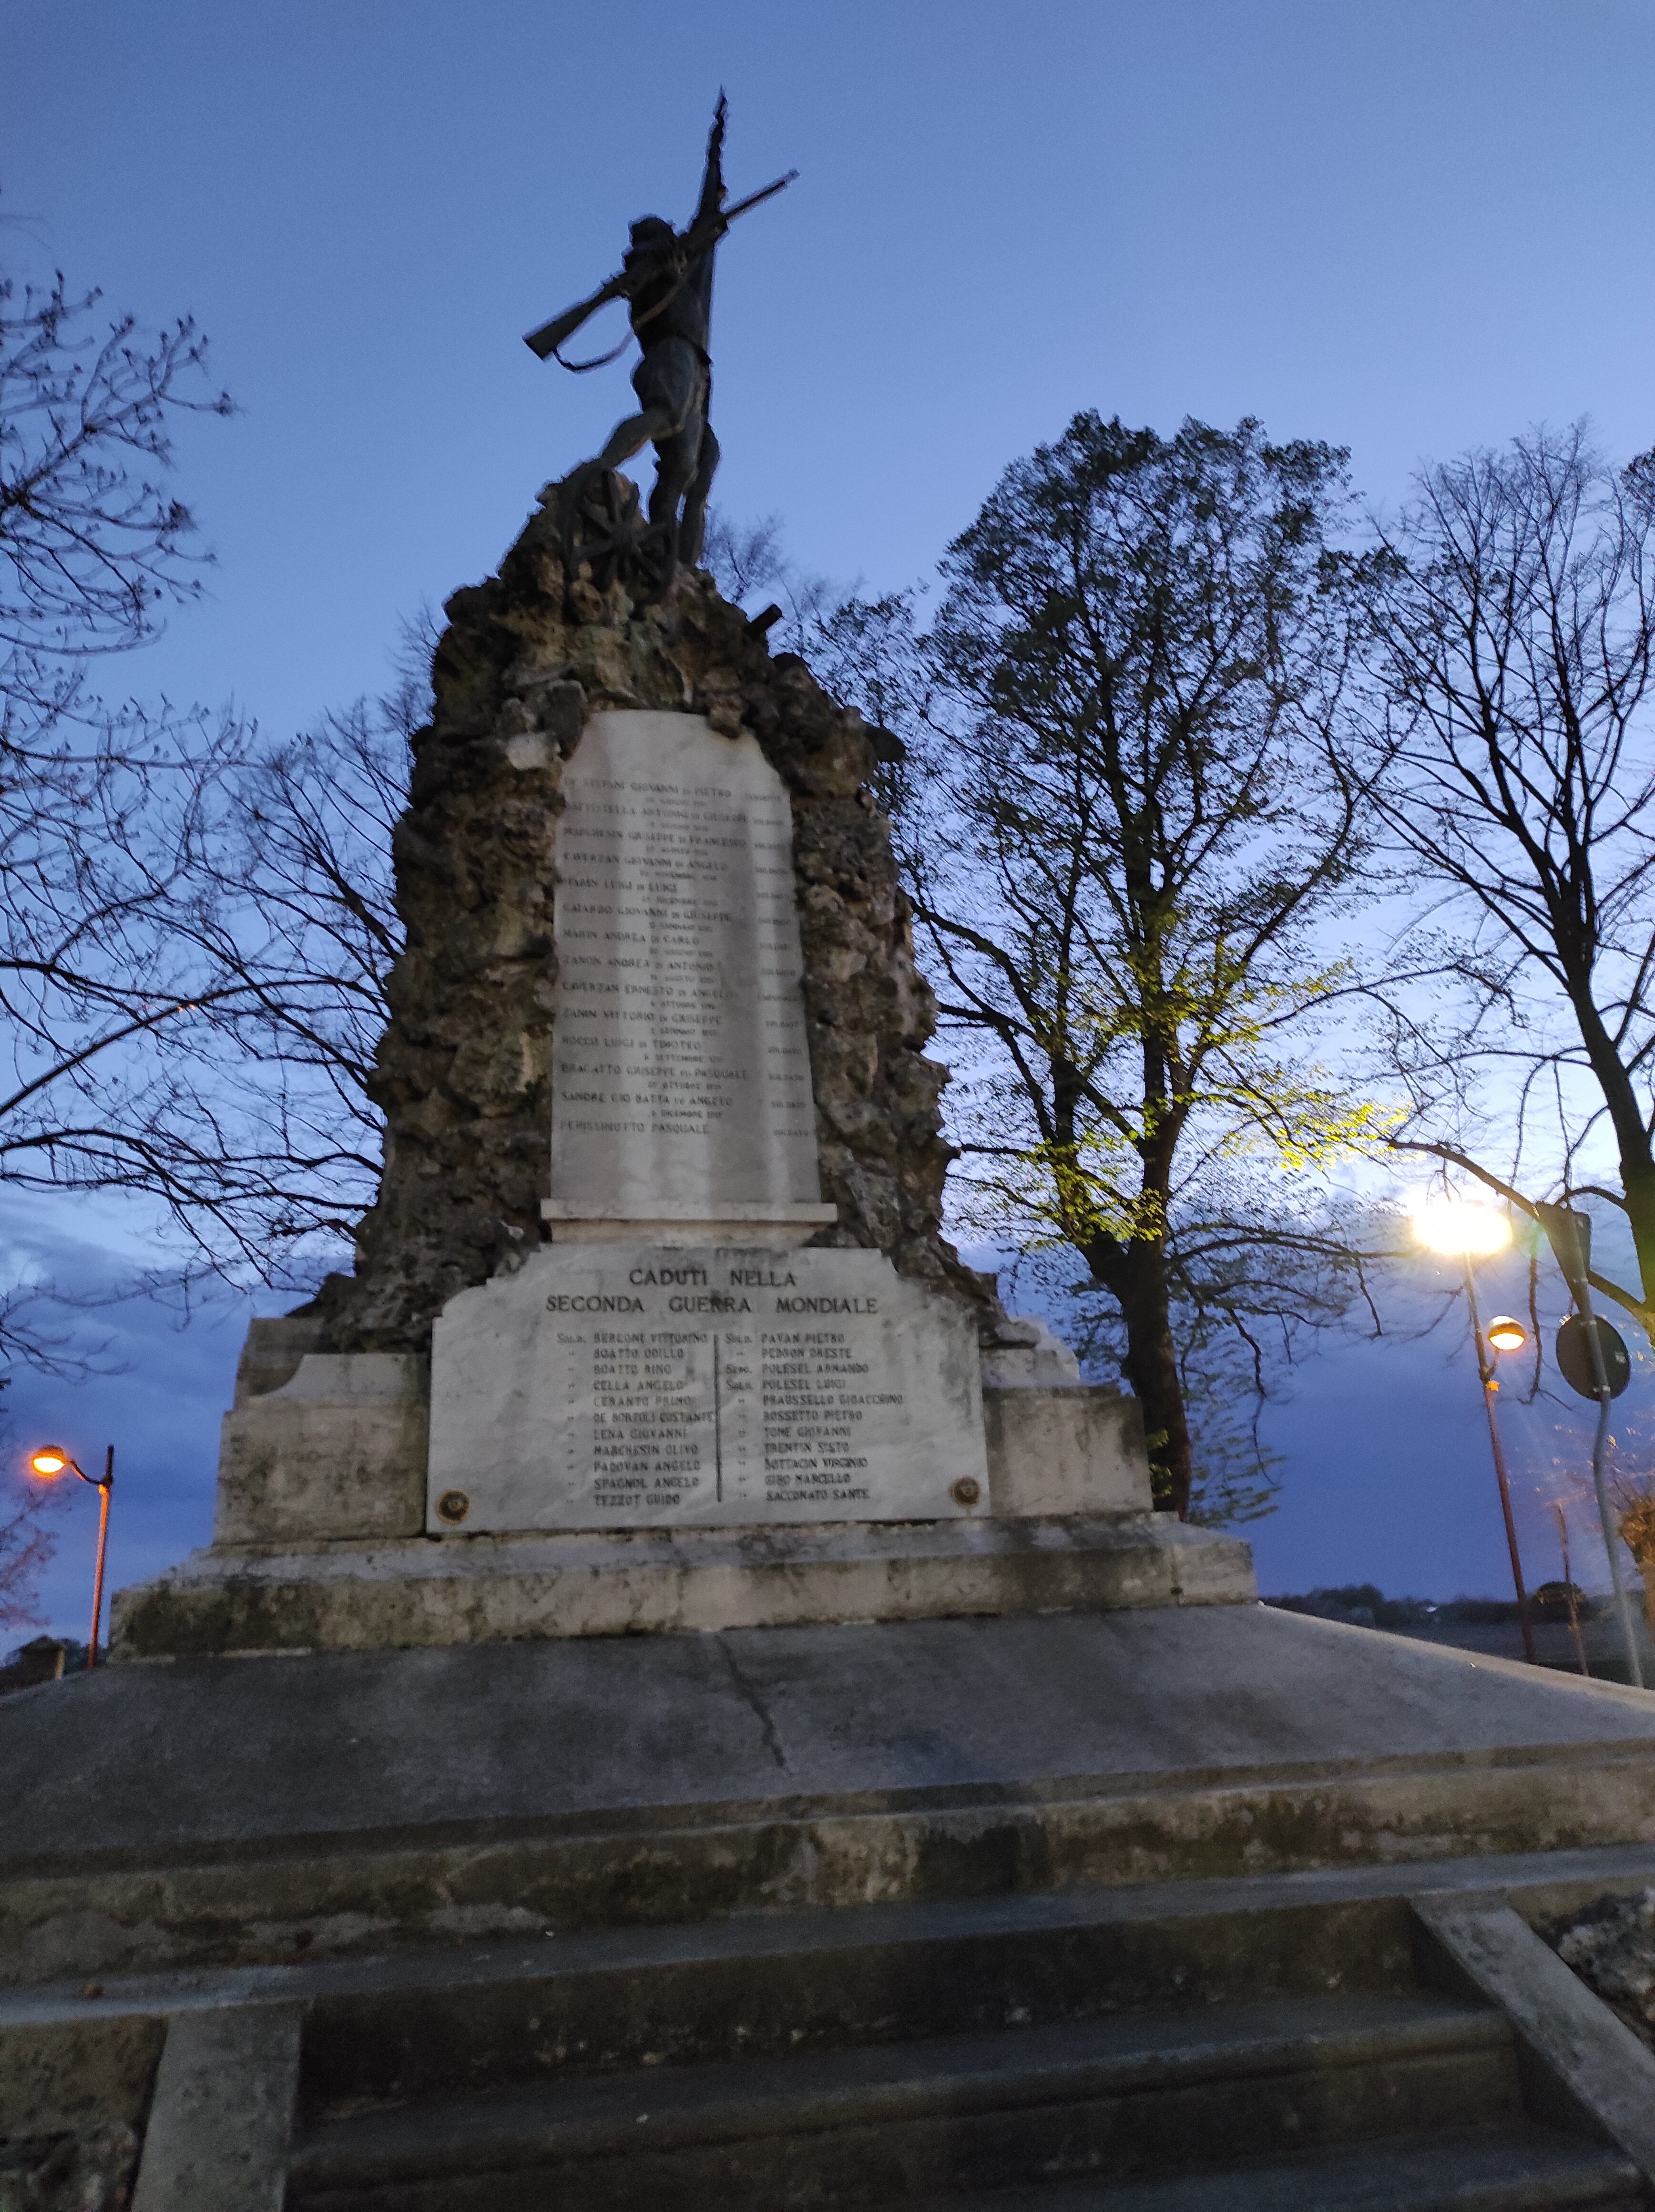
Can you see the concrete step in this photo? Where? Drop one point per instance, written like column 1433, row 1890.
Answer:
column 1527, row 2169
column 786, row 1985
column 1127, row 2096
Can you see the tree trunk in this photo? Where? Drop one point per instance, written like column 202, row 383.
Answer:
column 1137, row 1279
column 1615, row 1080
column 1638, row 1182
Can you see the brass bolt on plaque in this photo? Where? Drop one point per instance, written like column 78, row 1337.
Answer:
column 453, row 1506
column 967, row 1492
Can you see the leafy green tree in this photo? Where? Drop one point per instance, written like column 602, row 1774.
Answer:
column 1128, row 819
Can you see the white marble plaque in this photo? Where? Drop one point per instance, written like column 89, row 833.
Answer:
column 681, row 1074
column 606, row 1387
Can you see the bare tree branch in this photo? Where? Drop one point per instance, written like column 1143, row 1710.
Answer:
column 1516, row 648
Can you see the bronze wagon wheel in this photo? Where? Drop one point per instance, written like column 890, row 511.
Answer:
column 601, row 526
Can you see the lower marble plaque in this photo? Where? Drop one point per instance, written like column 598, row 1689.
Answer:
column 607, row 1386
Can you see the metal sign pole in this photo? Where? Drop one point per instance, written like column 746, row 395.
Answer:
column 1605, row 1514
column 1569, row 1233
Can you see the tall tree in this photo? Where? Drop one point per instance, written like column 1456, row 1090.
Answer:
column 29, row 1540
column 1516, row 652
column 299, row 912
column 195, row 922
column 102, row 808
column 1128, row 815
column 95, row 545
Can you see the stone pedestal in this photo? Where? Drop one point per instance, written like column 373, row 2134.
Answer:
column 366, row 1596
column 337, row 1450
column 706, row 1400
column 320, row 1543
column 1068, row 1449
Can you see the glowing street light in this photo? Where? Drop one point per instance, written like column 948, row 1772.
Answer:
column 49, row 1462
column 1460, row 1229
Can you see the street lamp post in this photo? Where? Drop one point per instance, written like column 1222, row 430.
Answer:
column 1485, row 1367
column 49, row 1463
column 1463, row 1231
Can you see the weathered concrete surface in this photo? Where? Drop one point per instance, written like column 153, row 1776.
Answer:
column 930, row 2123
column 1077, row 1448
column 217, row 1810
column 1500, row 2169
column 271, row 1351
column 221, row 2118
column 336, row 1450
column 77, row 2062
column 1024, row 1354
column 475, row 1589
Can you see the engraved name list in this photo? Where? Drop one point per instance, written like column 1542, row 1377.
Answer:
column 680, row 1063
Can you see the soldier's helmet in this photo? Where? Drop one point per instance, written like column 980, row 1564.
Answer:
column 651, row 231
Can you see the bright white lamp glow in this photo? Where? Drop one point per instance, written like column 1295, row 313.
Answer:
column 1460, row 1227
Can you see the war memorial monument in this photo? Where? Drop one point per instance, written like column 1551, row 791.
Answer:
column 687, row 1699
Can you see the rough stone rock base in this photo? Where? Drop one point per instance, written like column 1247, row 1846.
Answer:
column 493, row 1589
column 1610, row 1944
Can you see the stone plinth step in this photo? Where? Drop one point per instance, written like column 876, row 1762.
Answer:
column 1526, row 2169
column 231, row 1811
column 1133, row 2093
column 420, row 1592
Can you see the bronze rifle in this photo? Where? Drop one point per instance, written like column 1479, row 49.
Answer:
column 702, row 236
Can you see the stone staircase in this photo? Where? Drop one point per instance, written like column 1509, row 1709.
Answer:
column 1396, row 2100
column 1366, row 2038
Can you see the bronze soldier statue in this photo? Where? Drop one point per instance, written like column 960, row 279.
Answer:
column 666, row 282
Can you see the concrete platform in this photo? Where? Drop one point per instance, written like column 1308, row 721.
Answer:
column 239, row 1811
column 364, row 1596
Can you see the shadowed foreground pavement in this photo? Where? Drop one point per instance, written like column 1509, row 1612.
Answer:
column 206, row 1810
column 1143, row 1911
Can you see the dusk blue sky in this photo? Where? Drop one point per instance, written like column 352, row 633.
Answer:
column 1407, row 227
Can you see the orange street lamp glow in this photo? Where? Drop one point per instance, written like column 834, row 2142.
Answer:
column 49, row 1462
column 1461, row 1229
